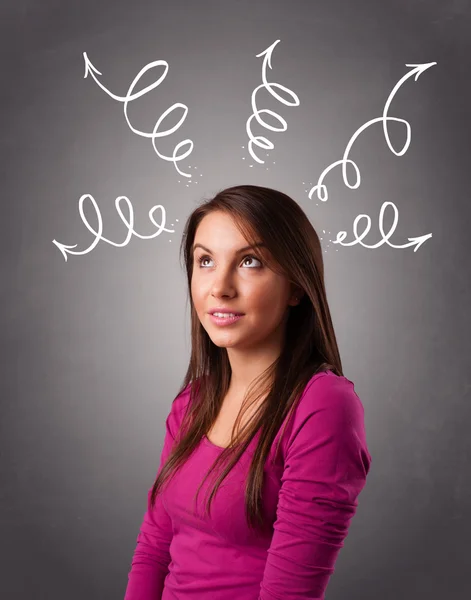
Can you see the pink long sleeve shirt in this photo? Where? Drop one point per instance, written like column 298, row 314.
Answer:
column 309, row 496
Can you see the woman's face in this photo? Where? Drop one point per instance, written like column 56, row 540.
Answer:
column 226, row 276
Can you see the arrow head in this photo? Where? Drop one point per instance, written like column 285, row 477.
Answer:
column 268, row 52
column 89, row 67
column 420, row 68
column 419, row 240
column 62, row 248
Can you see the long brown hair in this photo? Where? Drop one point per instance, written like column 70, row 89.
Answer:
column 310, row 344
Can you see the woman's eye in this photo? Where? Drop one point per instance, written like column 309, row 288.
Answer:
column 201, row 259
column 248, row 257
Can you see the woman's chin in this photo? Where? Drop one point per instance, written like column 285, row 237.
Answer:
column 223, row 341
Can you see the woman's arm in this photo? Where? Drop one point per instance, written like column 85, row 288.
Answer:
column 151, row 557
column 326, row 465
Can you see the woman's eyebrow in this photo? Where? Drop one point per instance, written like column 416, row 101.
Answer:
column 257, row 245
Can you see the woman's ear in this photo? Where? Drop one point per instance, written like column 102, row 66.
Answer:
column 296, row 296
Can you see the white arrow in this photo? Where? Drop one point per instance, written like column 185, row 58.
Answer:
column 91, row 70
column 322, row 193
column 260, row 140
column 129, row 222
column 414, row 241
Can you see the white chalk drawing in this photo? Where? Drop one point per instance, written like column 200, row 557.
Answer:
column 129, row 97
column 413, row 241
column 129, row 222
column 321, row 188
column 260, row 140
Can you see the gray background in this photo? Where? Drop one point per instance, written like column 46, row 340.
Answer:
column 95, row 348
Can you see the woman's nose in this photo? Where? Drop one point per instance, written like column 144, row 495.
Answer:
column 223, row 283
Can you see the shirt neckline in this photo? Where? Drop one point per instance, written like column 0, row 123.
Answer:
column 206, row 438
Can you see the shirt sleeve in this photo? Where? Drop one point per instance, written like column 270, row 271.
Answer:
column 325, row 469
column 151, row 558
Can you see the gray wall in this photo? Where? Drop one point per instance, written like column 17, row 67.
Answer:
column 94, row 348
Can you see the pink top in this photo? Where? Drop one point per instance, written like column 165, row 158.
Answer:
column 309, row 495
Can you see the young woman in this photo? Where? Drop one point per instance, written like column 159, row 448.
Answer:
column 265, row 397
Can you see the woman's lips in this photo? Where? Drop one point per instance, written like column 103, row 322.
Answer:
column 224, row 320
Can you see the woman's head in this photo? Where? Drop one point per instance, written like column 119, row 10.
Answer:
column 275, row 286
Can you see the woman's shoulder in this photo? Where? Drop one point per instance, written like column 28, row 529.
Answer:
column 328, row 379
column 181, row 400
column 177, row 409
column 328, row 391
